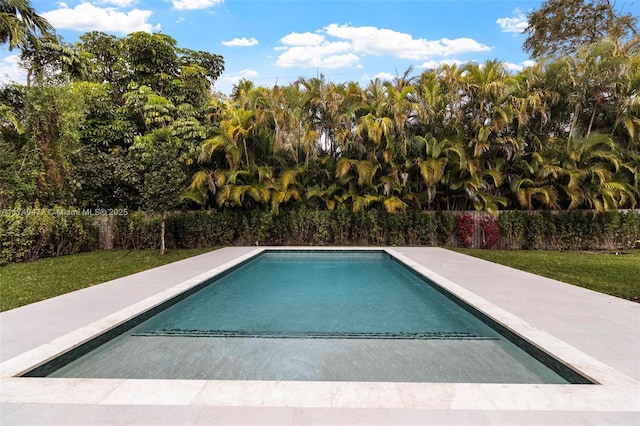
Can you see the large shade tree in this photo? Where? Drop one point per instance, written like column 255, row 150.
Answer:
column 562, row 27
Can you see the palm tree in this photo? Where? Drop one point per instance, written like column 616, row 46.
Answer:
column 7, row 115
column 593, row 175
column 532, row 103
column 19, row 23
column 627, row 100
column 531, row 180
column 438, row 156
column 285, row 188
column 237, row 125
column 402, row 109
column 489, row 109
column 322, row 102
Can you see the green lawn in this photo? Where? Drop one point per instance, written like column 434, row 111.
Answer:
column 606, row 272
column 24, row 283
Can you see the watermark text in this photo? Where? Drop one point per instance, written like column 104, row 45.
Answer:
column 64, row 212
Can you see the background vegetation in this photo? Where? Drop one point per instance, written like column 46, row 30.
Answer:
column 27, row 237
column 131, row 123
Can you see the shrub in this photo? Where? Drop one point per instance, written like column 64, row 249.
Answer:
column 464, row 230
column 445, row 227
column 512, row 229
column 536, row 230
column 139, row 230
column 340, row 225
column 28, row 234
column 70, row 234
column 421, row 229
column 490, row 232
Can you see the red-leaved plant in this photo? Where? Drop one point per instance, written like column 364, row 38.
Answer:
column 490, row 232
column 465, row 230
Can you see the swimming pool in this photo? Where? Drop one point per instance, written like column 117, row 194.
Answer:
column 309, row 315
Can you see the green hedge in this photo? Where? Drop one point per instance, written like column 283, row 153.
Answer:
column 569, row 230
column 299, row 226
column 29, row 234
column 33, row 233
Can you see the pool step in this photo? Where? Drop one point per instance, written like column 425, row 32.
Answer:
column 431, row 335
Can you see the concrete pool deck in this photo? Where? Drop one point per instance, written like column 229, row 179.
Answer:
column 595, row 333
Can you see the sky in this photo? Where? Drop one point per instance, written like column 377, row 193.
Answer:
column 271, row 42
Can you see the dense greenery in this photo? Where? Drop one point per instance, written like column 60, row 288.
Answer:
column 88, row 128
column 569, row 230
column 562, row 27
column 606, row 272
column 21, row 284
column 81, row 132
column 303, row 226
column 51, row 233
column 132, row 123
column 298, row 226
column 27, row 235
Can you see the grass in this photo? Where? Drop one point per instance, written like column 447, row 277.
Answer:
column 605, row 272
column 24, row 283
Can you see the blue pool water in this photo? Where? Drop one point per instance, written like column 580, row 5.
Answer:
column 315, row 316
column 316, row 294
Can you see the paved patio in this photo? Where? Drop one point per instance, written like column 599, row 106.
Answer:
column 595, row 333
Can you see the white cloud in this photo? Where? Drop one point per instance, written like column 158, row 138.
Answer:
column 325, row 55
column 87, row 17
column 241, row 42
column 246, row 73
column 510, row 66
column 437, row 64
column 382, row 41
column 515, row 24
column 302, row 39
column 119, row 3
column 338, row 46
column 380, row 75
column 194, row 4
column 10, row 70
column 180, row 20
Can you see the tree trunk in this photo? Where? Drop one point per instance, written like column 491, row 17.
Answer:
column 574, row 121
column 593, row 116
column 162, row 233
column 246, row 152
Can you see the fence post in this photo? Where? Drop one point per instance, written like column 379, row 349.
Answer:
column 105, row 225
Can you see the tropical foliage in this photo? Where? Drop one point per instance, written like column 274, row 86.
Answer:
column 132, row 122
column 558, row 135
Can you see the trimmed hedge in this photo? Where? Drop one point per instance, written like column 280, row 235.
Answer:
column 569, row 230
column 573, row 230
column 299, row 226
column 30, row 234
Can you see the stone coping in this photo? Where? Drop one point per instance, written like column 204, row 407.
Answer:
column 615, row 391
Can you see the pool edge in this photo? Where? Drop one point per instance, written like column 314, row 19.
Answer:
column 613, row 382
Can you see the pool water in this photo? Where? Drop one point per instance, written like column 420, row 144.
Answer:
column 315, row 315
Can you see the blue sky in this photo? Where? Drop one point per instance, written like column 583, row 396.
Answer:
column 268, row 41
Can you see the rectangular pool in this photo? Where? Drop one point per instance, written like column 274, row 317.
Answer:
column 317, row 316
